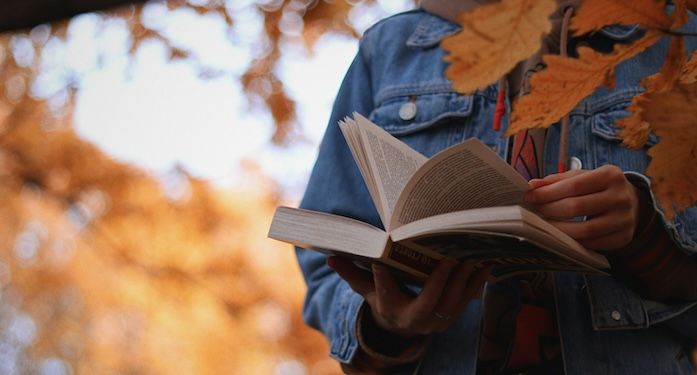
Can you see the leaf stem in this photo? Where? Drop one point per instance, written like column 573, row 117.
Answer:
column 677, row 33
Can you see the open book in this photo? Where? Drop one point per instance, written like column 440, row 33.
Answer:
column 465, row 202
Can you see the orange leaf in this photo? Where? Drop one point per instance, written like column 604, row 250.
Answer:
column 692, row 5
column 680, row 15
column 673, row 169
column 671, row 69
column 689, row 70
column 635, row 130
column 566, row 81
column 596, row 14
column 493, row 39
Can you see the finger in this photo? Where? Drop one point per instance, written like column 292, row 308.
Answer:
column 455, row 288
column 576, row 184
column 427, row 300
column 552, row 178
column 585, row 205
column 389, row 293
column 473, row 289
column 610, row 241
column 594, row 227
column 361, row 281
column 476, row 284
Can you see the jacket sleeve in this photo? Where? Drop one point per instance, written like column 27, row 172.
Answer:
column 656, row 262
column 336, row 186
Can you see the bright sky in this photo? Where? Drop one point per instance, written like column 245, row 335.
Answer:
column 159, row 114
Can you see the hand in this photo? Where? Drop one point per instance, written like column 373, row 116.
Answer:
column 443, row 297
column 609, row 201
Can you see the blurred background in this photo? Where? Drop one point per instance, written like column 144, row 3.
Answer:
column 143, row 149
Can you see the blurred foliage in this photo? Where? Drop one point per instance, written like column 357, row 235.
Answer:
column 106, row 269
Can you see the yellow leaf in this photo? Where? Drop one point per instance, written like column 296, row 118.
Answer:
column 635, row 130
column 566, row 81
column 493, row 39
column 689, row 70
column 673, row 169
column 596, row 14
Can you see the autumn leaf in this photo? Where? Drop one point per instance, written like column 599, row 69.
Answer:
column 692, row 5
column 493, row 39
column 596, row 14
column 566, row 81
column 673, row 169
column 636, row 131
column 680, row 15
column 671, row 70
column 689, row 70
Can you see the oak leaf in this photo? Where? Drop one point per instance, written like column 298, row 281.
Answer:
column 689, row 70
column 692, row 5
column 671, row 70
column 493, row 39
column 556, row 90
column 673, row 169
column 595, row 14
column 636, row 131
column 680, row 15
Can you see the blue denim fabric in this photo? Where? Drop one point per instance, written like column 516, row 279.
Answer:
column 605, row 327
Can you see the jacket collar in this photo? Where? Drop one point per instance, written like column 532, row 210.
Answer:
column 430, row 31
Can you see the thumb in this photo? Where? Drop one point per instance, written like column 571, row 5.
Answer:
column 361, row 281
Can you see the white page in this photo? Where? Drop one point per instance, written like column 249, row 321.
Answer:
column 465, row 176
column 391, row 162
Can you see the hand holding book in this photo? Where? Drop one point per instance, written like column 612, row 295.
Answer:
column 444, row 295
column 463, row 203
column 609, row 201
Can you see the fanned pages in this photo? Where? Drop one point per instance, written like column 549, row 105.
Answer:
column 466, row 176
column 463, row 203
column 389, row 162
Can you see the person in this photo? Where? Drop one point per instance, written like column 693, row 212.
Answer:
column 640, row 319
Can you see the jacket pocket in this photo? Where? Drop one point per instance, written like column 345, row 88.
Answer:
column 408, row 113
column 430, row 121
column 611, row 109
column 621, row 32
column 606, row 141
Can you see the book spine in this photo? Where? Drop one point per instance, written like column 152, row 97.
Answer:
column 412, row 261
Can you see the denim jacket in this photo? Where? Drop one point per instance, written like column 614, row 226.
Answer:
column 604, row 326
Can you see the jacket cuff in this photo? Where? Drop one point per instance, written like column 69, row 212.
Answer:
column 652, row 262
column 379, row 349
column 342, row 337
column 677, row 229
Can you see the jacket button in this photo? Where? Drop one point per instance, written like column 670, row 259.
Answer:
column 407, row 111
column 615, row 315
column 575, row 163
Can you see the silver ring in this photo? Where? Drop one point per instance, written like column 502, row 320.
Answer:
column 441, row 316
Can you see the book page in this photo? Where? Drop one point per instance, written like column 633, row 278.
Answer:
column 514, row 221
column 465, row 176
column 392, row 163
column 327, row 232
column 352, row 135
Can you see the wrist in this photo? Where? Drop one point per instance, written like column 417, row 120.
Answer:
column 646, row 221
column 380, row 348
